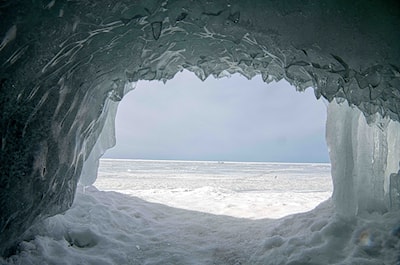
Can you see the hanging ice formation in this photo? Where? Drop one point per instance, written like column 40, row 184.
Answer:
column 64, row 65
column 365, row 160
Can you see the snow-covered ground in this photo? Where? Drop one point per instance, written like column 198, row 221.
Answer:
column 160, row 212
column 242, row 190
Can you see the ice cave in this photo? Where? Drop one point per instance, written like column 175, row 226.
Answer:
column 65, row 65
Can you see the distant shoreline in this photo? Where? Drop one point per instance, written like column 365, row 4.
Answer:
column 212, row 161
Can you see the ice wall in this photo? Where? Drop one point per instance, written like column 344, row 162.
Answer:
column 64, row 63
column 365, row 160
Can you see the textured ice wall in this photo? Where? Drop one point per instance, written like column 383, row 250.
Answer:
column 64, row 63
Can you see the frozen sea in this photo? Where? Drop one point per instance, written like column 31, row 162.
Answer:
column 239, row 189
column 209, row 213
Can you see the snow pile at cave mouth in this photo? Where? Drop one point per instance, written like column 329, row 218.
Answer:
column 113, row 228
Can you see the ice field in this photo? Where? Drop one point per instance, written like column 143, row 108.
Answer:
column 176, row 212
column 242, row 190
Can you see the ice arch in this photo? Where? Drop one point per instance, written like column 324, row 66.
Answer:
column 66, row 64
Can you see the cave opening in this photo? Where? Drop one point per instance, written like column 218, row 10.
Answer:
column 228, row 146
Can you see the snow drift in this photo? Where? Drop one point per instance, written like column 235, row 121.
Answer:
column 66, row 64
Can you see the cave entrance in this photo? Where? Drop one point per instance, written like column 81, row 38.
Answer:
column 228, row 146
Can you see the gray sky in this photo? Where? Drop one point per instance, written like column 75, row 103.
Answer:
column 229, row 119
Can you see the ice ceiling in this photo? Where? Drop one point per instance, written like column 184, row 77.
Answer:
column 66, row 64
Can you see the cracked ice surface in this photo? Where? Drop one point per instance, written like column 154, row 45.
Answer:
column 65, row 64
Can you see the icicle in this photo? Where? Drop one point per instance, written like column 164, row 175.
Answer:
column 365, row 158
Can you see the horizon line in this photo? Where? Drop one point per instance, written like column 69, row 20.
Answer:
column 216, row 161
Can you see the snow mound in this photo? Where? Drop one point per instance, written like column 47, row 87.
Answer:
column 113, row 228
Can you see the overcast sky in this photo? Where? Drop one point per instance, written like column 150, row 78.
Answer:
column 229, row 119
